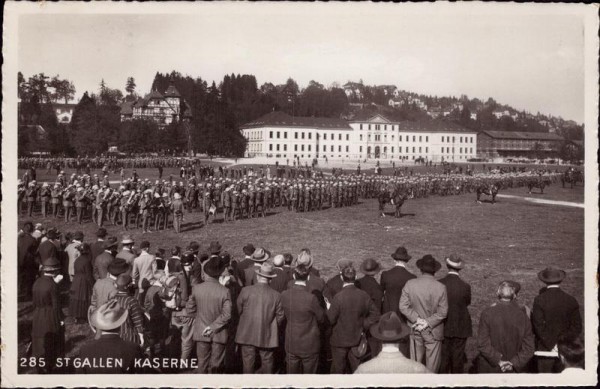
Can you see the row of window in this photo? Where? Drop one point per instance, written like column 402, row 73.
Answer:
column 448, row 139
column 304, row 135
column 448, row 150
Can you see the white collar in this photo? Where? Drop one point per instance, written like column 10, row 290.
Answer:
column 390, row 348
column 75, row 241
column 401, row 264
column 453, row 272
column 108, row 251
column 347, row 284
column 301, row 283
column 552, row 286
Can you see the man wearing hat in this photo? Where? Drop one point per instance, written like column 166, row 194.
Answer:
column 303, row 315
column 73, row 253
column 424, row 302
column 47, row 330
column 555, row 313
column 104, row 288
column 335, row 283
column 97, row 247
column 126, row 252
column 50, row 247
column 261, row 314
column 247, row 261
column 351, row 313
column 457, row 327
column 107, row 319
column 211, row 304
column 370, row 267
column 102, row 261
column 279, row 283
column 259, row 257
column 389, row 331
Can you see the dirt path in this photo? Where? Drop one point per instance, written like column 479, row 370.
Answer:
column 543, row 201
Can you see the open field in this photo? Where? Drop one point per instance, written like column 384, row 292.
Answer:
column 512, row 239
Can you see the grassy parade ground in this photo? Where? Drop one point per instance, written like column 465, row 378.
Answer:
column 512, row 239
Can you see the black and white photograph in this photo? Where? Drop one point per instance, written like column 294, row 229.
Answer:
column 331, row 194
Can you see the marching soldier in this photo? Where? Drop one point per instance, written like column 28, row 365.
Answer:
column 80, row 203
column 177, row 209
column 45, row 198
column 31, row 196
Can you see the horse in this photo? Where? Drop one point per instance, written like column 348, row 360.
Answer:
column 572, row 177
column 488, row 189
column 396, row 198
column 540, row 182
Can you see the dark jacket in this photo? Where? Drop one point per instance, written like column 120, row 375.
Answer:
column 392, row 283
column 211, row 303
column 303, row 315
column 504, row 334
column 333, row 286
column 47, row 249
column 313, row 284
column 260, row 312
column 110, row 346
column 373, row 289
column 96, row 249
column 101, row 263
column 458, row 322
column 26, row 247
column 280, row 282
column 351, row 312
column 554, row 313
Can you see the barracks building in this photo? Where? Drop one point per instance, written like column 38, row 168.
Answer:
column 367, row 136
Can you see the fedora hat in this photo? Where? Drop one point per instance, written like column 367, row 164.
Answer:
column 214, row 247
column 278, row 260
column 454, row 262
column 428, row 264
column 390, row 328
column 343, row 263
column 214, row 267
column 194, row 247
column 109, row 316
column 305, row 259
column 249, row 249
column 551, row 275
column 401, row 254
column 110, row 242
column 51, row 264
column 118, row 266
column 266, row 270
column 370, row 267
column 260, row 255
column 127, row 239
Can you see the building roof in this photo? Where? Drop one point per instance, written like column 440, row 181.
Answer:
column 522, row 135
column 282, row 119
column 127, row 107
column 172, row 91
column 432, row 126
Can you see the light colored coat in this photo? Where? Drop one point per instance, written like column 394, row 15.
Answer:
column 144, row 266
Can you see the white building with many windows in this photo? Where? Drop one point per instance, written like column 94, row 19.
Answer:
column 279, row 135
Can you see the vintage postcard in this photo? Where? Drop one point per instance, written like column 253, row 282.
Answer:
column 243, row 194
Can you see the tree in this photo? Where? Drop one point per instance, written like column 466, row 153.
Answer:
column 130, row 86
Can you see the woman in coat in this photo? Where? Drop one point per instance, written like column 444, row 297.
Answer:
column 47, row 335
column 80, row 294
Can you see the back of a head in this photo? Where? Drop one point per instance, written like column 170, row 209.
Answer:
column 288, row 258
column 572, row 351
column 506, row 290
column 301, row 273
column 145, row 245
column 28, row 227
column 348, row 274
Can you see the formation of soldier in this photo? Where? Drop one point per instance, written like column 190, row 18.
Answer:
column 141, row 203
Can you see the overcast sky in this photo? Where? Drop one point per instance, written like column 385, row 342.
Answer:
column 525, row 59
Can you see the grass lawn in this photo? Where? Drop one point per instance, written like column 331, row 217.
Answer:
column 512, row 239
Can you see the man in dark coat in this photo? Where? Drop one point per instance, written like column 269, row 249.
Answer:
column 97, row 247
column 457, row 327
column 261, row 314
column 109, row 346
column 392, row 282
column 555, row 313
column 335, row 283
column 279, row 283
column 50, row 247
column 26, row 248
column 102, row 261
column 211, row 303
column 369, row 284
column 351, row 313
column 303, row 315
column 504, row 339
column 47, row 330
column 259, row 256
